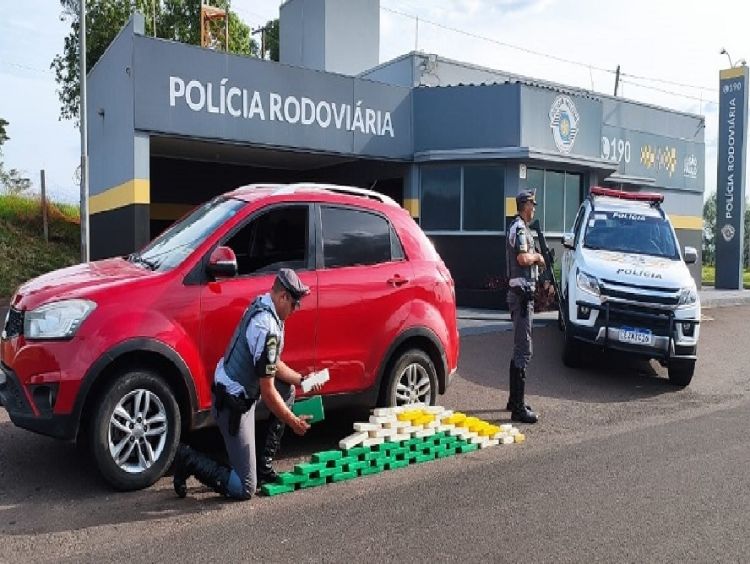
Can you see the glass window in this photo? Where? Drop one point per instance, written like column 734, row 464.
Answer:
column 627, row 232
column 441, row 198
column 535, row 181
column 273, row 240
column 484, row 193
column 174, row 245
column 554, row 194
column 353, row 237
column 572, row 197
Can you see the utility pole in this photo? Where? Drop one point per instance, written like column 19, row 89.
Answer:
column 617, row 79
column 84, row 139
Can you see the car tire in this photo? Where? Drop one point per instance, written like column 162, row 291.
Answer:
column 412, row 379
column 571, row 353
column 681, row 372
column 135, row 430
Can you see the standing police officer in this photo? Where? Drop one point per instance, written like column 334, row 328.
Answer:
column 246, row 373
column 523, row 263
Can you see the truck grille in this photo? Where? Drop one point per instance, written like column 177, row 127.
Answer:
column 630, row 316
column 14, row 325
column 640, row 294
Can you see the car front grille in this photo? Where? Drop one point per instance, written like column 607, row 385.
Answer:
column 640, row 294
column 634, row 316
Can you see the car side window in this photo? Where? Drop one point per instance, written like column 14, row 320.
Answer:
column 578, row 223
column 357, row 237
column 274, row 239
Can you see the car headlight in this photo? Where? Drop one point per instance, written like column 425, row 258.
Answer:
column 688, row 296
column 57, row 320
column 587, row 283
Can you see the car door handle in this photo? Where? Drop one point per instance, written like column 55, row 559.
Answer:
column 397, row 281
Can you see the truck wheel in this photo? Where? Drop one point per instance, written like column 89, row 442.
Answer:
column 571, row 353
column 681, row 372
column 135, row 430
column 412, row 379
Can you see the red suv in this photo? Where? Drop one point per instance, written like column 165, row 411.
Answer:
column 121, row 352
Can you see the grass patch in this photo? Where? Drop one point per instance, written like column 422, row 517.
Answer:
column 24, row 254
column 708, row 276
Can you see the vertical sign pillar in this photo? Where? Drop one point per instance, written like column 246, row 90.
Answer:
column 730, row 184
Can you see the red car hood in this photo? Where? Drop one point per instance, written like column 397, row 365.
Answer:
column 76, row 281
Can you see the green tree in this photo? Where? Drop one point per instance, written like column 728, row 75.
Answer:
column 709, row 230
column 272, row 39
column 11, row 181
column 176, row 20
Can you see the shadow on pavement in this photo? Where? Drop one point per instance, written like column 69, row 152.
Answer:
column 604, row 378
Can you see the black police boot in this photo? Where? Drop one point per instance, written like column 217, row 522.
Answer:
column 513, row 386
column 520, row 411
column 188, row 463
column 266, row 473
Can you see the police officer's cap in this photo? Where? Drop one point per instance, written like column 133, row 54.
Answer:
column 292, row 284
column 525, row 196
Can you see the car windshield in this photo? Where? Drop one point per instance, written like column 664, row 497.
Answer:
column 627, row 232
column 176, row 243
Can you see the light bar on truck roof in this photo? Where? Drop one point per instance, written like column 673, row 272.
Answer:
column 652, row 197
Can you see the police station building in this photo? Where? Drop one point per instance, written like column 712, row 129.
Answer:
column 173, row 125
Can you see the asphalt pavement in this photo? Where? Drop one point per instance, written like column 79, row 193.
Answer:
column 621, row 467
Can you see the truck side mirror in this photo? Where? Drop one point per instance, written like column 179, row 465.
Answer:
column 222, row 263
column 691, row 255
column 568, row 241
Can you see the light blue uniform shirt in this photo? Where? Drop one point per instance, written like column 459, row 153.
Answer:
column 257, row 330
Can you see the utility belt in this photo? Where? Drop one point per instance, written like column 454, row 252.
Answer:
column 236, row 405
column 526, row 296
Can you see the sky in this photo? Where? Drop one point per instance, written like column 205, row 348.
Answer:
column 675, row 41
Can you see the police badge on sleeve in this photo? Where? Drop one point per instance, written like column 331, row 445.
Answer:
column 272, row 353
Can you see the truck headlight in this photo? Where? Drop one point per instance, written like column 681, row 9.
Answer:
column 688, row 296
column 57, row 320
column 587, row 283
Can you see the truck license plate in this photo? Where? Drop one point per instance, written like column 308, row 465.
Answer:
column 636, row 336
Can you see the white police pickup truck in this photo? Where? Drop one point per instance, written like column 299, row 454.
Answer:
column 625, row 284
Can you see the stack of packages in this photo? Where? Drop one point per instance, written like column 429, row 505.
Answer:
column 395, row 437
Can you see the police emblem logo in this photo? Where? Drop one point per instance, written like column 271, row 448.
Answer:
column 728, row 232
column 272, row 349
column 564, row 120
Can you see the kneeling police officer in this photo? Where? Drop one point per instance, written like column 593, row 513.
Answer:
column 250, row 369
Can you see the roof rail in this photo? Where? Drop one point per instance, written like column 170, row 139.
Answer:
column 350, row 190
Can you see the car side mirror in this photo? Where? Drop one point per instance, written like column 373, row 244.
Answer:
column 222, row 263
column 568, row 241
column 691, row 255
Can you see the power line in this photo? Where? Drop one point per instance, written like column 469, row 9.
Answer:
column 546, row 55
column 681, row 95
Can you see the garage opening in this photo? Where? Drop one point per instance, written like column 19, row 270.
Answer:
column 186, row 173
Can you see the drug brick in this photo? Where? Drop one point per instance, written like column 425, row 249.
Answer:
column 371, row 470
column 383, row 411
column 467, row 448
column 326, row 472
column 423, row 433
column 396, row 464
column 326, row 455
column 507, row 440
column 356, row 466
column 313, row 483
column 385, row 433
column 338, row 463
column 519, row 438
column 307, row 468
column 400, row 437
column 424, row 458
column 373, row 441
column 386, row 446
column 366, row 427
column 341, row 476
column 347, row 443
column 290, row 478
column 276, row 489
column 357, row 451
column 382, row 419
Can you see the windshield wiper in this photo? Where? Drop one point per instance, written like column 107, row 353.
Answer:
column 136, row 257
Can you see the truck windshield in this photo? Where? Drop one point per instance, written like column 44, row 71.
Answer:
column 176, row 243
column 627, row 232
